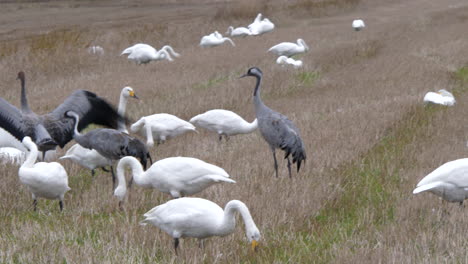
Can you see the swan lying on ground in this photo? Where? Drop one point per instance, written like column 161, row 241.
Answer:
column 261, row 26
column 283, row 60
column 143, row 53
column 442, row 97
column 358, row 24
column 238, row 32
column 214, row 39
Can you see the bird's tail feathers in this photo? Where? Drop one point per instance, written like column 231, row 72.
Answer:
column 426, row 187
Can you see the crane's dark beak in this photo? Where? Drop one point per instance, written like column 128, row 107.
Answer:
column 245, row 75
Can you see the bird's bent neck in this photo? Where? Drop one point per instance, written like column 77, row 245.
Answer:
column 32, row 156
column 24, row 100
column 135, row 166
column 229, row 221
column 251, row 126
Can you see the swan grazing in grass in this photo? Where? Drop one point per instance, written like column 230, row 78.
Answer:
column 177, row 176
column 12, row 155
column 200, row 218
column 143, row 53
column 261, row 26
column 160, row 126
column 358, row 24
column 449, row 181
column 214, row 39
column 90, row 158
column 442, row 97
column 223, row 122
column 290, row 49
column 238, row 32
column 283, row 60
column 46, row 180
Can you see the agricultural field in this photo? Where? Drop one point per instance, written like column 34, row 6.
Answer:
column 357, row 102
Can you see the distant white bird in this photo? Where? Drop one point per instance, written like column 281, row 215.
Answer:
column 238, row 32
column 160, row 126
column 214, row 39
column 143, row 53
column 442, row 97
column 223, row 122
column 96, row 50
column 46, row 180
column 261, row 26
column 200, row 218
column 289, row 49
column 449, row 181
column 358, row 24
column 12, row 155
column 177, row 176
column 283, row 60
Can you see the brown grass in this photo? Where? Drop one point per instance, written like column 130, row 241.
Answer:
column 357, row 103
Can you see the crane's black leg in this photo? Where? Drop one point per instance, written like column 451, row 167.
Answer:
column 61, row 205
column 220, row 137
column 43, row 155
column 104, row 169
column 276, row 162
column 113, row 178
column 35, row 204
column 201, row 244
column 176, row 244
column 93, row 173
column 289, row 167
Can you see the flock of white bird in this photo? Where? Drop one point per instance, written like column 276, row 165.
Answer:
column 185, row 176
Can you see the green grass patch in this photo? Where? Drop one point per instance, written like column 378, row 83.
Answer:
column 210, row 83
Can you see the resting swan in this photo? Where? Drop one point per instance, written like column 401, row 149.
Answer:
column 261, row 26
column 289, row 49
column 238, row 32
column 283, row 60
column 46, row 180
column 214, row 39
column 200, row 218
column 143, row 53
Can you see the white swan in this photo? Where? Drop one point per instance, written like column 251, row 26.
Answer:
column 289, row 49
column 261, row 26
column 238, row 32
column 442, row 97
column 223, row 122
column 283, row 60
column 90, row 158
column 200, row 218
column 46, row 180
column 143, row 53
column 160, row 126
column 358, row 24
column 214, row 39
column 96, row 50
column 449, row 181
column 12, row 155
column 177, row 176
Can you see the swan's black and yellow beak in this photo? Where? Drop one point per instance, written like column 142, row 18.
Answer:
column 132, row 94
column 254, row 245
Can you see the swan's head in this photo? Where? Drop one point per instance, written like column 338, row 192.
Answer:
column 120, row 192
column 281, row 59
column 27, row 140
column 254, row 71
column 302, row 42
column 129, row 92
column 253, row 235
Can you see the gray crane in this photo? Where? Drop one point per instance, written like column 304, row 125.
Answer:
column 277, row 130
column 110, row 143
column 52, row 129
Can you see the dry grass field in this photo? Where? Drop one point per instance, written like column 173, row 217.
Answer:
column 357, row 102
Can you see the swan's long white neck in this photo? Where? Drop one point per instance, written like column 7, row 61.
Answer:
column 170, row 50
column 122, row 103
column 77, row 120
column 249, row 127
column 137, row 172
column 229, row 220
column 32, row 156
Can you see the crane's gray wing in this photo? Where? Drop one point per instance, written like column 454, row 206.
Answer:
column 11, row 119
column 91, row 109
column 110, row 143
column 290, row 139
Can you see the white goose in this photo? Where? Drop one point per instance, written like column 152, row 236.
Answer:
column 442, row 97
column 289, row 49
column 214, row 39
column 143, row 53
column 261, row 26
column 238, row 32
column 46, row 180
column 177, row 176
column 358, row 24
column 90, row 158
column 283, row 60
column 200, row 218
column 449, row 181
column 160, row 126
column 223, row 122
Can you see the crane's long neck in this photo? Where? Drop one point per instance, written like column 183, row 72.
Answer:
column 257, row 100
column 32, row 156
column 137, row 173
column 229, row 220
column 24, row 100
